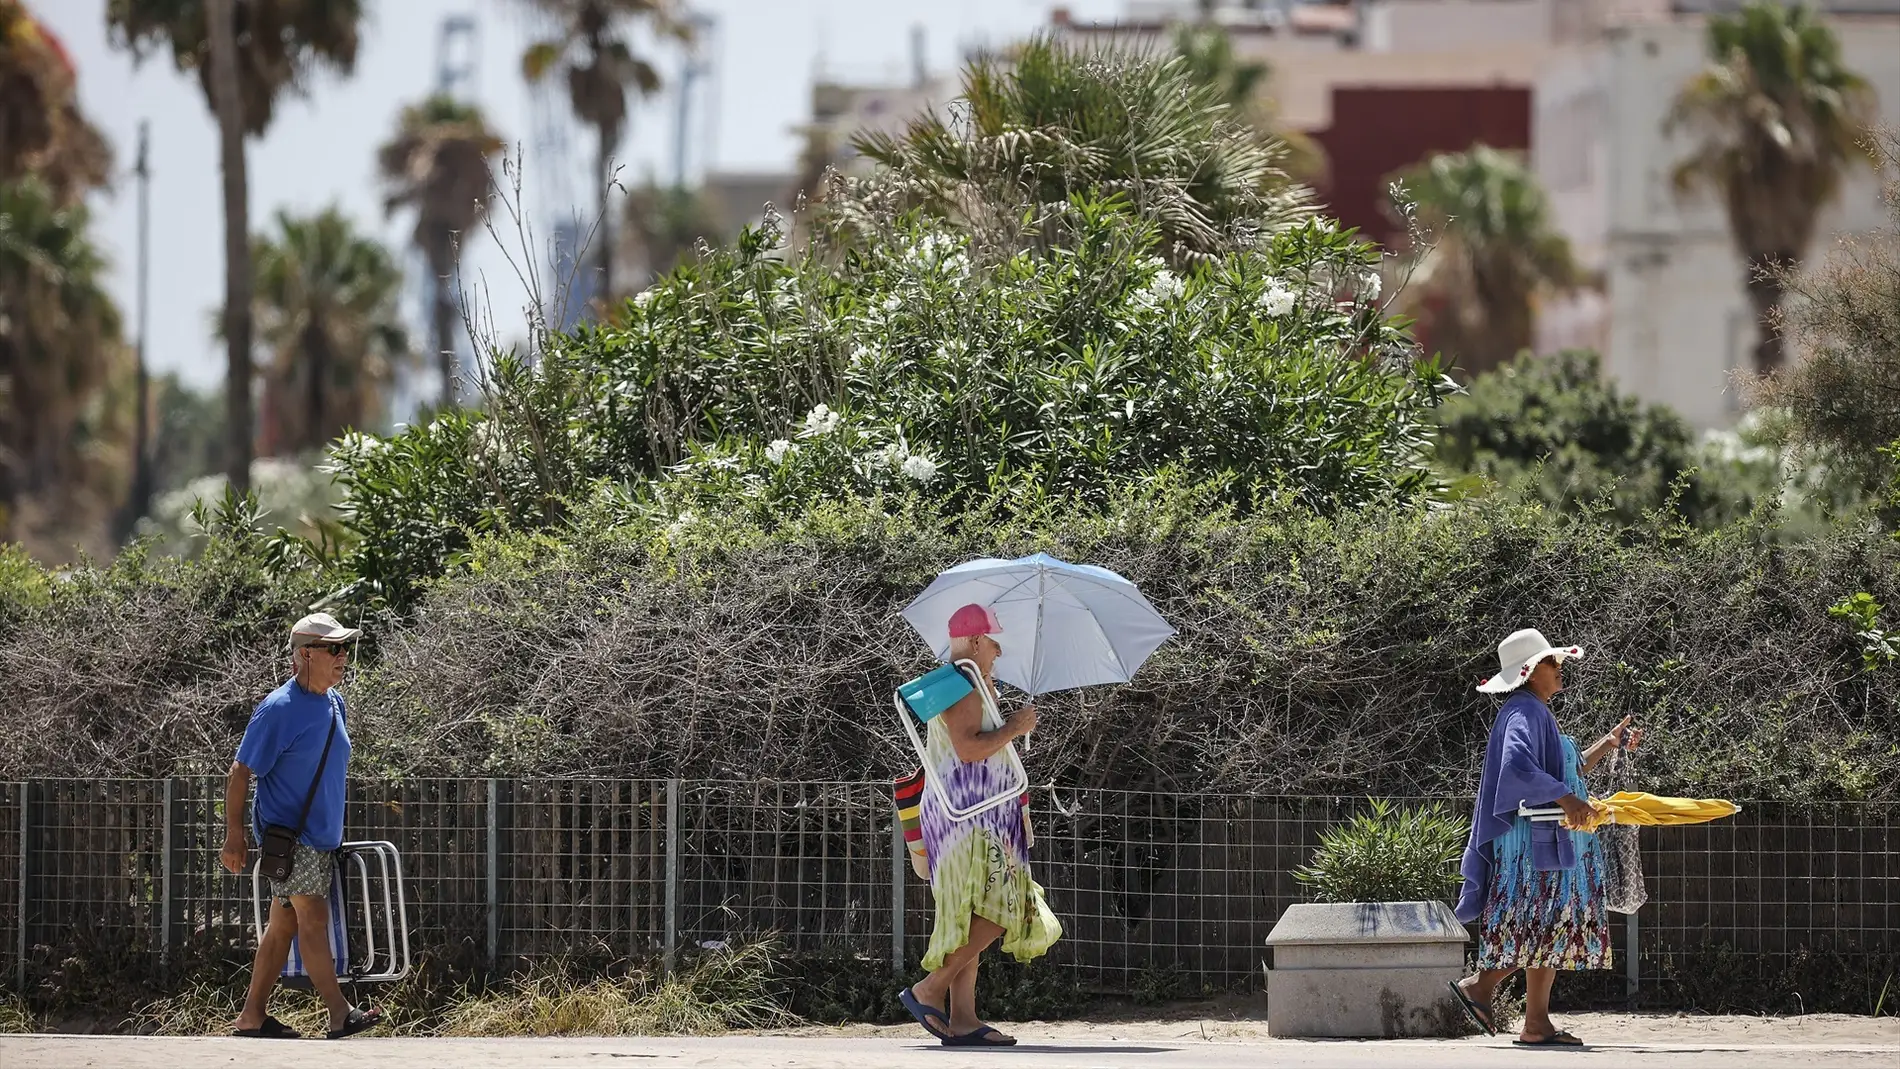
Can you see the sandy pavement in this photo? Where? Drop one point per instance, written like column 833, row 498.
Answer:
column 1675, row 1042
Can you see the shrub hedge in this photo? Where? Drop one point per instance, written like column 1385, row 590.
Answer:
column 1316, row 654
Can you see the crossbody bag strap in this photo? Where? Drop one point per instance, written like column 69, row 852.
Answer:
column 311, row 797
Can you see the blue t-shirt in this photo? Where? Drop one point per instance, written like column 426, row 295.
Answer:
column 282, row 745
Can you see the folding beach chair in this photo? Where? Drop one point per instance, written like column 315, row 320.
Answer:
column 924, row 699
column 365, row 887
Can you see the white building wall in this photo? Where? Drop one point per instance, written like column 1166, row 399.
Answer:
column 1678, row 320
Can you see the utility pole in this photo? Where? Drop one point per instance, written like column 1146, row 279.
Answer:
column 140, row 500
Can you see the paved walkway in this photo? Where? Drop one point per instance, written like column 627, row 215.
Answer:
column 1671, row 1042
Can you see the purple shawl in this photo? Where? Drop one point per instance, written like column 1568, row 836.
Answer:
column 1523, row 762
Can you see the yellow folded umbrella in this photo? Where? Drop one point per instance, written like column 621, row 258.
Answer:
column 1654, row 811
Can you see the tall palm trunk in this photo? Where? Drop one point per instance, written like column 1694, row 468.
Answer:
column 237, row 244
column 316, row 351
column 1765, row 293
column 441, row 256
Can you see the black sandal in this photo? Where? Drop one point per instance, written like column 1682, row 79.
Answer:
column 272, row 1028
column 357, row 1021
column 1472, row 1009
column 1560, row 1038
column 982, row 1037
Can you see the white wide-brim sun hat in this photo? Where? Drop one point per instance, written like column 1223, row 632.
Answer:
column 1519, row 654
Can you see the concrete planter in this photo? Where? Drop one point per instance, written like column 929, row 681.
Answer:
column 1365, row 969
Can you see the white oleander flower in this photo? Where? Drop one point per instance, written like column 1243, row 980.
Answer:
column 1371, row 284
column 821, row 420
column 893, row 455
column 643, row 297
column 1277, row 299
column 893, row 303
column 920, row 469
column 779, row 450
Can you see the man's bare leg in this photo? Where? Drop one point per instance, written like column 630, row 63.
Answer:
column 273, row 950
column 313, row 939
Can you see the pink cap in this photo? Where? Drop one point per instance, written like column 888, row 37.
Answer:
column 974, row 620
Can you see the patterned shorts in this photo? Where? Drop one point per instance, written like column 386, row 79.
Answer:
column 310, row 871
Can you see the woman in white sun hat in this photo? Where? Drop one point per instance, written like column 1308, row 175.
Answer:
column 1535, row 890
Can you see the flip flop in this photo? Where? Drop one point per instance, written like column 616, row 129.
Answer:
column 1472, row 1009
column 357, row 1021
column 1560, row 1038
column 272, row 1028
column 915, row 1007
column 980, row 1038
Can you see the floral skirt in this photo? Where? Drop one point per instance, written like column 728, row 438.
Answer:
column 1544, row 920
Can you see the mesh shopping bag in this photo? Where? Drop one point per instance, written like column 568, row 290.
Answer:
column 1623, row 889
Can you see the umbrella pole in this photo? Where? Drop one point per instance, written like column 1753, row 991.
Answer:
column 1035, row 656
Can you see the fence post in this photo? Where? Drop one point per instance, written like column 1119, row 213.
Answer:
column 1632, row 954
column 26, row 845
column 672, row 936
column 493, row 895
column 899, row 850
column 167, row 843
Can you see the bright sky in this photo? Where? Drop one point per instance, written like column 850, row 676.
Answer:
column 322, row 150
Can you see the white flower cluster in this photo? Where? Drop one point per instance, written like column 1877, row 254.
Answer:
column 821, row 420
column 643, row 297
column 919, row 468
column 913, row 466
column 939, row 251
column 1163, row 288
column 1277, row 299
column 1370, row 284
column 779, row 450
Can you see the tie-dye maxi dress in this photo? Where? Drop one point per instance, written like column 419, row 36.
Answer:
column 981, row 865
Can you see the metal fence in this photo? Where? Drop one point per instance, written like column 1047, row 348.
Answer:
column 1152, row 889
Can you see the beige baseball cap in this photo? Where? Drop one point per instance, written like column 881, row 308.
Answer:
column 321, row 627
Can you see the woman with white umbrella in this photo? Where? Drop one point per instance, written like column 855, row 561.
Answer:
column 979, row 866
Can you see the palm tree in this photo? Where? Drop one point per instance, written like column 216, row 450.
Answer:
column 246, row 56
column 437, row 164
column 1057, row 120
column 600, row 67
column 1208, row 50
column 1495, row 251
column 327, row 316
column 59, row 347
column 1777, row 120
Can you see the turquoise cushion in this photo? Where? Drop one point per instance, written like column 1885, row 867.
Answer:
column 930, row 694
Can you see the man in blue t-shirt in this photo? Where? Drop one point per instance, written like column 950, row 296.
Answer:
column 297, row 747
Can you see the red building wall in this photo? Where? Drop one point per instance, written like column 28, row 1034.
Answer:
column 1379, row 130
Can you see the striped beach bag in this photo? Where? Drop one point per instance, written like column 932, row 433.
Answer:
column 907, row 793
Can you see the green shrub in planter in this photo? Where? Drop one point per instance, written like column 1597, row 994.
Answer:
column 1388, row 855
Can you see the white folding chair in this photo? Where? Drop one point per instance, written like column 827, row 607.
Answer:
column 992, row 719
column 373, row 894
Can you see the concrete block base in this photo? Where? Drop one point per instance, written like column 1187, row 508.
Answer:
column 1365, row 970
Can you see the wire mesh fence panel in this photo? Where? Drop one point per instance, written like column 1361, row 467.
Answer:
column 440, row 828
column 807, row 862
column 1158, row 893
column 581, row 868
column 209, row 914
column 12, row 935
column 1777, row 882
column 93, row 874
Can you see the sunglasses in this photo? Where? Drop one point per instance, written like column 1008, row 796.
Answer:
column 334, row 649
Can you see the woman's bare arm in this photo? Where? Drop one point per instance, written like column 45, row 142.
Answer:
column 964, row 721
